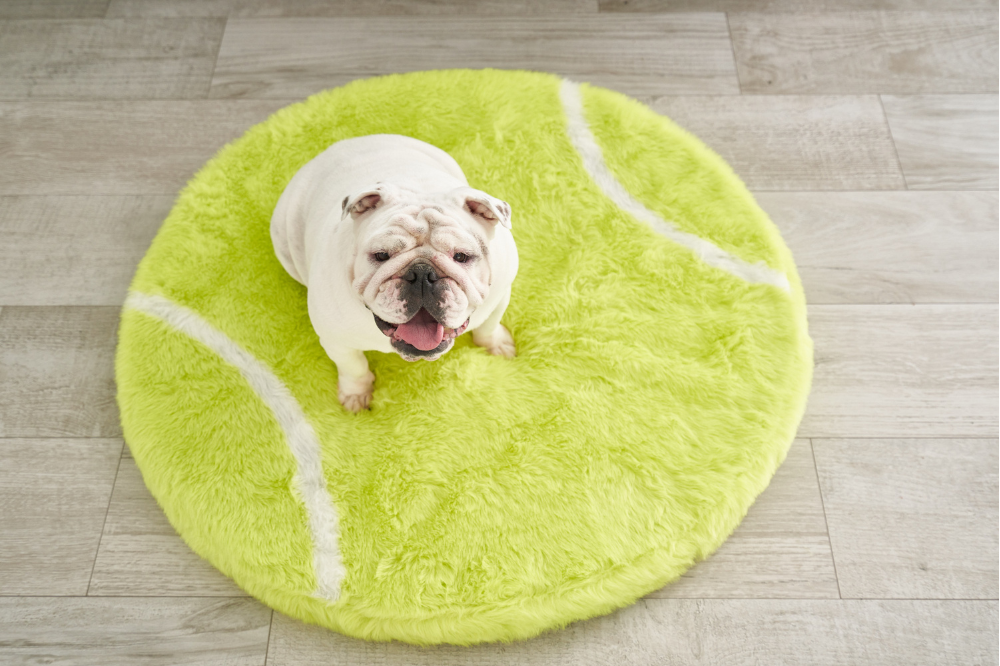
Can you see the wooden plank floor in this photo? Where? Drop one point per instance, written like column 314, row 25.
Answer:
column 867, row 130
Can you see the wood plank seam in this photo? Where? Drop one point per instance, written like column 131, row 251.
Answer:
column 892, row 139
column 105, row 523
column 833, row 558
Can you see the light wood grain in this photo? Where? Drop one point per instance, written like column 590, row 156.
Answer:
column 890, row 247
column 339, row 8
column 912, row 518
column 133, row 632
column 648, row 55
column 108, row 59
column 52, row 9
column 903, row 371
column 57, row 372
column 53, row 500
column 945, row 141
column 780, row 550
column 793, row 142
column 787, row 5
column 691, row 632
column 169, row 8
column 117, row 148
column 866, row 52
column 142, row 555
column 74, row 250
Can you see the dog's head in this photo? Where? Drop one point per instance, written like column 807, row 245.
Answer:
column 421, row 261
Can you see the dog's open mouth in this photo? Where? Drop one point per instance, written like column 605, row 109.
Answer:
column 423, row 331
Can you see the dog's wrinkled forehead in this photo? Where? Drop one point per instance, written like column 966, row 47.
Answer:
column 388, row 198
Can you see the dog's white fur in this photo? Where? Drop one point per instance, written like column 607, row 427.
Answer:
column 392, row 193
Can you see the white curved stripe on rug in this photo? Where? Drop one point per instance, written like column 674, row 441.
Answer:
column 301, row 438
column 593, row 161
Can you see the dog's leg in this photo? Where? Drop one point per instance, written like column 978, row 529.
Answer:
column 354, row 380
column 493, row 336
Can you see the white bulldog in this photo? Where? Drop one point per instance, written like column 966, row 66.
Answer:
column 398, row 253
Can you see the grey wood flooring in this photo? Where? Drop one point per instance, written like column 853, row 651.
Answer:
column 866, row 129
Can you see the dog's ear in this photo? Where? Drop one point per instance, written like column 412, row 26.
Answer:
column 364, row 201
column 486, row 208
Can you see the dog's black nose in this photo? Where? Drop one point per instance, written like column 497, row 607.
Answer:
column 419, row 273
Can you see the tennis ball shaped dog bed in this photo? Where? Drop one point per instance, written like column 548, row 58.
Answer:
column 663, row 363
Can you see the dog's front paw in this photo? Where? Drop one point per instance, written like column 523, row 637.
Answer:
column 356, row 394
column 499, row 343
column 355, row 402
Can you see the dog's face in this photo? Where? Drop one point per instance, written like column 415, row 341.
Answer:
column 421, row 261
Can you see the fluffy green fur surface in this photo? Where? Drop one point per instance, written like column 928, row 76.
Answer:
column 481, row 498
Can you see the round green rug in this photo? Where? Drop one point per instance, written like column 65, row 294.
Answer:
column 663, row 367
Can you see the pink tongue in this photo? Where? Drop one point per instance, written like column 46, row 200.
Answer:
column 423, row 331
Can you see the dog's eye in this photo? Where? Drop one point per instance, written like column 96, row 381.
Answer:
column 381, row 256
column 461, row 257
